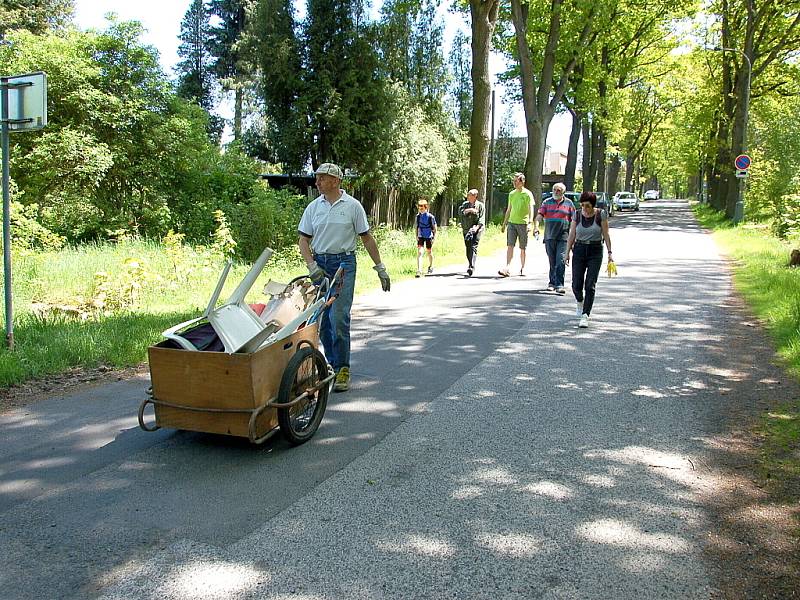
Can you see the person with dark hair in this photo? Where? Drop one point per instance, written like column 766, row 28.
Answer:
column 587, row 232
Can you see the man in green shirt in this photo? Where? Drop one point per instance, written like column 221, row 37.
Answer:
column 521, row 207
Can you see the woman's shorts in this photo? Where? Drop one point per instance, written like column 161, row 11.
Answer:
column 514, row 231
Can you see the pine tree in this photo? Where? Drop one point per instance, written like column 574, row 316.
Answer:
column 226, row 43
column 461, row 86
column 195, row 77
column 410, row 44
column 272, row 40
column 345, row 96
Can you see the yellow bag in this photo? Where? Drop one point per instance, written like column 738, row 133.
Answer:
column 612, row 268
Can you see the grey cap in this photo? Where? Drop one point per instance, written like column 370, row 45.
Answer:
column 329, row 169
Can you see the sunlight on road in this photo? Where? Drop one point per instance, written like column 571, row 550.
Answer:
column 550, row 489
column 615, row 532
column 206, row 579
column 419, row 544
column 510, row 545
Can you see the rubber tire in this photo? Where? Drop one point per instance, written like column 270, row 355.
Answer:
column 286, row 393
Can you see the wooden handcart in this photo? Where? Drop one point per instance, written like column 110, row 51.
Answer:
column 282, row 385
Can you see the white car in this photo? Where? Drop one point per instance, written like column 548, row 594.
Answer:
column 626, row 200
column 651, row 195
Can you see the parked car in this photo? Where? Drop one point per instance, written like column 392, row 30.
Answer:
column 651, row 195
column 602, row 201
column 575, row 198
column 604, row 204
column 626, row 200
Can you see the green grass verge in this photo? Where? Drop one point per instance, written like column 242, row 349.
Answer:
column 772, row 290
column 761, row 275
column 173, row 289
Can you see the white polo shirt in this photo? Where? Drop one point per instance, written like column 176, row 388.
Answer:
column 333, row 228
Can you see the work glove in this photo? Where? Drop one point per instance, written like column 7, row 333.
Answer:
column 383, row 275
column 315, row 272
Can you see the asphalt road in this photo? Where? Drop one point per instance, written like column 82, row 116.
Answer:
column 487, row 449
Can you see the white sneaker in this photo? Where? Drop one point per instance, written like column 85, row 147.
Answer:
column 584, row 322
column 579, row 309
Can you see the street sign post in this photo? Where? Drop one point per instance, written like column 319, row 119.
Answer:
column 742, row 164
column 23, row 106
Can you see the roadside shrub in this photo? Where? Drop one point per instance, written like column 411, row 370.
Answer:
column 28, row 233
column 786, row 221
column 270, row 218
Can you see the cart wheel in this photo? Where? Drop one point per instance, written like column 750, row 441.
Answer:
column 306, row 369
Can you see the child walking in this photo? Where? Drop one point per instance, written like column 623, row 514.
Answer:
column 426, row 231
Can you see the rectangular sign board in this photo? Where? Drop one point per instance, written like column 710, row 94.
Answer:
column 742, row 174
column 27, row 103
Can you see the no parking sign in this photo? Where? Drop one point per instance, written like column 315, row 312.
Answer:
column 742, row 162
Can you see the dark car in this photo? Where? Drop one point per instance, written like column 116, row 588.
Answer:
column 602, row 201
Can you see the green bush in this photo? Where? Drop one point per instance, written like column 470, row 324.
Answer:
column 268, row 219
column 27, row 233
column 786, row 221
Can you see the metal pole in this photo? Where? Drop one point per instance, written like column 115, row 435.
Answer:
column 9, row 315
column 738, row 211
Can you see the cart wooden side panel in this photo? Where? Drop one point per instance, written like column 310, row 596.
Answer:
column 216, row 382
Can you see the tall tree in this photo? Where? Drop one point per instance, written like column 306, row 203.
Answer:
column 273, row 41
column 344, row 95
column 36, row 16
column 226, row 44
column 461, row 90
column 410, row 40
column 759, row 34
column 484, row 15
column 195, row 76
column 544, row 82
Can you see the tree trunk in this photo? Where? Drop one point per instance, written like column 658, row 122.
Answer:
column 586, row 163
column 589, row 176
column 600, row 184
column 572, row 151
column 484, row 18
column 237, row 113
column 613, row 175
column 629, row 174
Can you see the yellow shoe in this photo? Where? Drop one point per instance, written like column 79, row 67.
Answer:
column 342, row 380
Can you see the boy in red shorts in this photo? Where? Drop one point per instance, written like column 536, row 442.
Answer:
column 426, row 231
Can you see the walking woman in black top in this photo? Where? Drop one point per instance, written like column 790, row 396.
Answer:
column 587, row 232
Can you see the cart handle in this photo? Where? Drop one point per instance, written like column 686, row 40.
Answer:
column 142, row 424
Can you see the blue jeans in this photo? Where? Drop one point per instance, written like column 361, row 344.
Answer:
column 555, row 252
column 334, row 326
